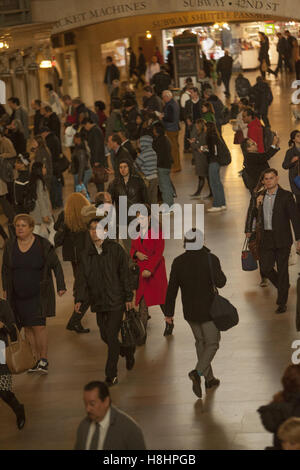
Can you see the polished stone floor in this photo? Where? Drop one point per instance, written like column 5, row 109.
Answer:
column 157, row 392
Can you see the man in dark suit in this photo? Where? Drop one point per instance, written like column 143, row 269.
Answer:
column 191, row 271
column 127, row 144
column 51, row 120
column 114, row 143
column 274, row 211
column 106, row 427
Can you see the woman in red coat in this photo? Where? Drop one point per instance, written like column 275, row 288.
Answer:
column 147, row 251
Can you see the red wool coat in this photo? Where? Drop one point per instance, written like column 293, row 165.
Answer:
column 154, row 288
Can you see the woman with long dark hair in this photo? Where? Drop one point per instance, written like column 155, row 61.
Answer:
column 215, row 146
column 263, row 56
column 285, row 404
column 200, row 152
column 42, row 154
column 39, row 195
column 291, row 163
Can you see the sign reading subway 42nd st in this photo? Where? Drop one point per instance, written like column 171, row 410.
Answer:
column 97, row 11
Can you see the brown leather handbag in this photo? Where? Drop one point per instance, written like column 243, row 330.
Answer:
column 19, row 355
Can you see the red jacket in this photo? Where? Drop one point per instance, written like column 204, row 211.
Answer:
column 154, row 288
column 255, row 132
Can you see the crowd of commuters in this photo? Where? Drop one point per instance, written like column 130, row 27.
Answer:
column 130, row 147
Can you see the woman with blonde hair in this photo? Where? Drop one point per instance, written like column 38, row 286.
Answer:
column 71, row 235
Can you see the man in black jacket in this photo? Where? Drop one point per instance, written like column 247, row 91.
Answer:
column 141, row 68
column 127, row 144
column 151, row 102
column 114, row 143
column 38, row 119
column 224, row 68
column 282, row 47
column 103, row 282
column 274, row 212
column 161, row 81
column 262, row 96
column 51, row 120
column 132, row 61
column 191, row 272
column 95, row 141
column 255, row 163
column 111, row 73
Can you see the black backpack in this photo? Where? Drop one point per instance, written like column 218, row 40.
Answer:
column 6, row 170
column 225, row 116
column 29, row 200
column 224, row 155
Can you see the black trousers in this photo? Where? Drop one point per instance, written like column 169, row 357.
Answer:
column 109, row 325
column 226, row 81
column 269, row 255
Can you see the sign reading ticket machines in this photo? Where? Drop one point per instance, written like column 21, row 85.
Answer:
column 2, row 93
column 186, row 57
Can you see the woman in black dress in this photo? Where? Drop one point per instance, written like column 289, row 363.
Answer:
column 28, row 261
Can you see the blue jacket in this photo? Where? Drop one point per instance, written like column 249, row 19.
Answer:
column 171, row 116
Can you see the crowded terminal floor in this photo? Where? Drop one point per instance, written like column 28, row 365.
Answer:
column 157, row 393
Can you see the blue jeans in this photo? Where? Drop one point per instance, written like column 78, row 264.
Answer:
column 216, row 185
column 56, row 192
column 165, row 185
column 86, row 179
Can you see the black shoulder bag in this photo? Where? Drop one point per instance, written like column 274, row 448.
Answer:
column 222, row 312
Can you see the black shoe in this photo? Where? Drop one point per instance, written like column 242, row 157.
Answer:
column 20, row 413
column 212, row 383
column 281, row 309
column 34, row 368
column 77, row 327
column 43, row 366
column 169, row 329
column 111, row 382
column 130, row 361
column 195, row 378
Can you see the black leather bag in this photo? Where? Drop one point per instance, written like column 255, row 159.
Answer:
column 132, row 329
column 222, row 312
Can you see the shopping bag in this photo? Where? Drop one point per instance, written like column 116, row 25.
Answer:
column 249, row 263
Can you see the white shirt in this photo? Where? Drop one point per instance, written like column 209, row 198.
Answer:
column 98, row 248
column 104, row 425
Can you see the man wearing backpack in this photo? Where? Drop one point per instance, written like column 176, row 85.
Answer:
column 242, row 86
column 262, row 97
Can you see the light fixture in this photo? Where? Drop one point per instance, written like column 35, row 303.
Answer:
column 4, row 45
column 148, row 35
column 46, row 64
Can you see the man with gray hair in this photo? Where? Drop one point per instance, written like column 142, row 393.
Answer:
column 193, row 272
column 170, row 119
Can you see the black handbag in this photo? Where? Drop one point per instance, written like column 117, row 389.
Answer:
column 61, row 164
column 222, row 312
column 132, row 329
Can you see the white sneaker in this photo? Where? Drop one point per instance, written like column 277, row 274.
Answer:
column 214, row 209
column 224, row 208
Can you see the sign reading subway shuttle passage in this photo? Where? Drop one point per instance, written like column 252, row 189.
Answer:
column 75, row 13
